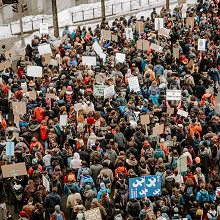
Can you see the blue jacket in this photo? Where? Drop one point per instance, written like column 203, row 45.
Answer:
column 69, row 186
column 214, row 74
column 202, row 197
column 159, row 69
column 102, row 190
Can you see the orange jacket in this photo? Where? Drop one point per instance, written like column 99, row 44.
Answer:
column 43, row 132
column 208, row 97
column 34, row 144
column 39, row 114
column 195, row 128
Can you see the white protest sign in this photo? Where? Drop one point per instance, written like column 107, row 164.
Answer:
column 173, row 94
column 129, row 33
column 201, row 44
column 120, row 57
column 97, row 48
column 158, row 22
column 182, row 113
column 109, row 91
column 34, row 71
column 44, row 28
column 184, row 9
column 53, row 62
column 44, row 49
column 10, row 147
column 63, row 120
column 191, row 2
column 164, row 31
column 182, row 164
column 156, row 47
column 89, row 60
column 46, row 183
column 78, row 106
column 134, row 83
column 24, row 86
column 98, row 90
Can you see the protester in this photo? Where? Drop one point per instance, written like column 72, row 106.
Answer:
column 146, row 106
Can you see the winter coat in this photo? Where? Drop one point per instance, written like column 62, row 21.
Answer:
column 102, row 190
column 159, row 153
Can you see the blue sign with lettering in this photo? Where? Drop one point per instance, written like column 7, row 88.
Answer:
column 140, row 187
column 10, row 147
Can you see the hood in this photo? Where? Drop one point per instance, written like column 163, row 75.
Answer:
column 102, row 186
column 76, row 156
column 34, row 127
column 169, row 178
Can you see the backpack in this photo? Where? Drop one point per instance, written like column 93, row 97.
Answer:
column 169, row 184
column 150, row 214
column 57, row 216
column 122, row 109
column 120, row 139
column 204, row 198
column 80, row 216
column 173, row 163
column 189, row 161
column 214, row 217
column 189, row 192
column 118, row 217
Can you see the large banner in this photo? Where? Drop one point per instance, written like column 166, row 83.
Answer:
column 144, row 186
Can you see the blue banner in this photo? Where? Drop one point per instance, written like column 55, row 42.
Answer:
column 140, row 187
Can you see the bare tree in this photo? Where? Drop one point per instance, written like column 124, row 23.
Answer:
column 55, row 18
column 103, row 8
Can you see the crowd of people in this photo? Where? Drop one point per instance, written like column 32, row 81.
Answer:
column 88, row 161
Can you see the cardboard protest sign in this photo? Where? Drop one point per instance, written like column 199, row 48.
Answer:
column 89, row 60
column 78, row 106
column 34, row 71
column 156, row 47
column 10, row 148
column 134, row 84
column 44, row 49
column 16, row 119
column 46, row 59
column 115, row 37
column 19, row 108
column 106, row 34
column 109, row 91
column 182, row 164
column 63, row 120
column 173, row 94
column 93, row 214
column 201, row 44
column 145, row 186
column 176, row 52
column 168, row 143
column 120, row 57
column 145, row 119
column 165, row 32
column 181, row 2
column 98, row 90
column 157, row 130
column 32, row 95
column 146, row 45
column 2, row 163
column 13, row 170
column 46, row 183
column 139, row 44
column 182, row 113
column 190, row 21
column 50, row 96
column 10, row 54
column 170, row 111
column 129, row 33
column 4, row 65
column 44, row 28
column 140, row 26
column 159, row 23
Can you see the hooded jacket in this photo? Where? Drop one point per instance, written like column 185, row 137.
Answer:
column 76, row 161
column 102, row 190
column 159, row 153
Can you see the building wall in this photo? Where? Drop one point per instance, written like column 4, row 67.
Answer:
column 36, row 7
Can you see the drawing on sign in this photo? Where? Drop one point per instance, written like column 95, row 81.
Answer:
column 201, row 44
column 144, row 186
column 98, row 90
column 129, row 33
